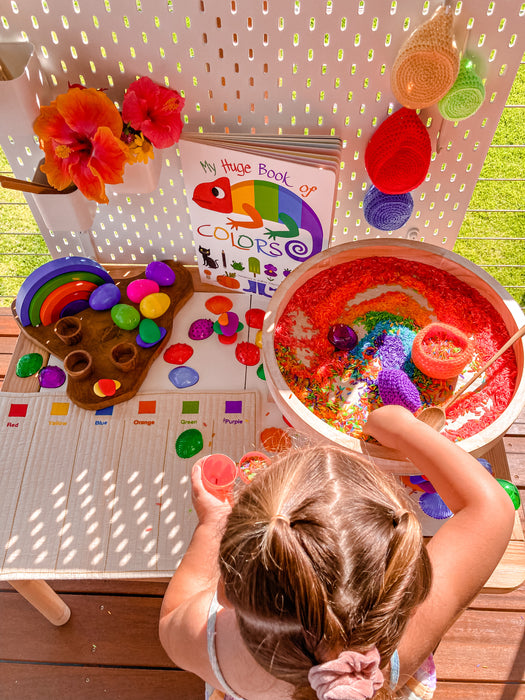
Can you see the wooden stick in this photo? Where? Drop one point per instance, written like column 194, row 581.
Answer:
column 12, row 183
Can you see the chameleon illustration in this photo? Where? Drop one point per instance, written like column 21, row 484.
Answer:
column 261, row 200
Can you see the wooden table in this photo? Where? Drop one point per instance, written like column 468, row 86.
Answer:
column 508, row 576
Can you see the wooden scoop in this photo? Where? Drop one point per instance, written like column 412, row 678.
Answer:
column 435, row 416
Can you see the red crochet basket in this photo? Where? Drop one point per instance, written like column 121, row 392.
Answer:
column 398, row 155
column 436, row 363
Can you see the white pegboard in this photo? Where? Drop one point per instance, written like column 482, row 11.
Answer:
column 264, row 67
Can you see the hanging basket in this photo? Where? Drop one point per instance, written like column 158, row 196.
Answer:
column 140, row 178
column 23, row 85
column 428, row 62
column 398, row 155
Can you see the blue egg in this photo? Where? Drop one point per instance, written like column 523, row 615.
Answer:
column 182, row 377
column 104, row 297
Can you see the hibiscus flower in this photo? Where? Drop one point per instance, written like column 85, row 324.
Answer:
column 79, row 133
column 154, row 110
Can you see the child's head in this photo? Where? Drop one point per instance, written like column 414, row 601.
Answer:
column 322, row 552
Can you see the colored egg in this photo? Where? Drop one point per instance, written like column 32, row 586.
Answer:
column 149, row 331
column 260, row 372
column 182, row 377
column 229, row 323
column 51, row 377
column 189, row 443
column 160, row 273
column 154, row 305
column 248, row 353
column 143, row 344
column 125, row 316
column 104, row 297
column 342, row 337
column 258, row 339
column 201, row 329
column 106, row 387
column 178, row 354
column 512, row 490
column 29, row 364
column 255, row 318
column 218, row 304
column 138, row 289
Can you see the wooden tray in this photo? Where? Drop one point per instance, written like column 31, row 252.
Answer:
column 100, row 335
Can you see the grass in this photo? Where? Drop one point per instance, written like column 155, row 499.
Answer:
column 503, row 258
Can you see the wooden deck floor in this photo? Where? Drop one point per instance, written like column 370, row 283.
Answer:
column 110, row 648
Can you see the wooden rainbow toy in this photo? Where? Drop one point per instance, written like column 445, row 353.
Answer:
column 58, row 288
column 105, row 363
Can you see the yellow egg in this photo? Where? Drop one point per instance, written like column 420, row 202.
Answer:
column 258, row 339
column 154, row 305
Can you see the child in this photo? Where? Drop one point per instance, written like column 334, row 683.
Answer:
column 317, row 584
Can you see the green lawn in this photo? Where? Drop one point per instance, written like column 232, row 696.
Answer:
column 17, row 252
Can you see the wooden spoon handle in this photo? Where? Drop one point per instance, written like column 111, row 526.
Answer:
column 517, row 335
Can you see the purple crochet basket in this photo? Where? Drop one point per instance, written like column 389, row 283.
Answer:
column 387, row 212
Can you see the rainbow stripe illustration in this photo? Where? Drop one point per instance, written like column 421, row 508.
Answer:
column 262, row 200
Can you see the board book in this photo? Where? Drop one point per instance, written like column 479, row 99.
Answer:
column 259, row 205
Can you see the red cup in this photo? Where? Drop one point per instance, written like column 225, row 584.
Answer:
column 218, row 475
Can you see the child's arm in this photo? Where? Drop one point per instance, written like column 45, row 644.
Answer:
column 182, row 627
column 467, row 548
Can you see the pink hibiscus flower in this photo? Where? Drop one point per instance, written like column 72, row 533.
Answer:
column 154, row 110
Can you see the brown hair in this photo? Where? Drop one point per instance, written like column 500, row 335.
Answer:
column 322, row 552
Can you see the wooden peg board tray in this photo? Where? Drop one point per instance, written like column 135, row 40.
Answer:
column 100, row 335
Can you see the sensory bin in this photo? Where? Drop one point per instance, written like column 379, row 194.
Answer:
column 384, row 291
column 106, row 362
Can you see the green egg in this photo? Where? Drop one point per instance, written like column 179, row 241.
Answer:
column 189, row 443
column 125, row 316
column 149, row 331
column 513, row 492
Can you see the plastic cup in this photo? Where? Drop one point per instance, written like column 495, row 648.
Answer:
column 218, row 475
column 251, row 463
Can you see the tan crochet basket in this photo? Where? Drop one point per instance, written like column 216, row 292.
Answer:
column 428, row 62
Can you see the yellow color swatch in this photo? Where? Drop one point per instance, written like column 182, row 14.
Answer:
column 59, row 408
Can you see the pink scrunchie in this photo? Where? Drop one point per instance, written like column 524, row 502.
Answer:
column 352, row 676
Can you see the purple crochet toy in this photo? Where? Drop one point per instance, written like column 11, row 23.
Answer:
column 395, row 387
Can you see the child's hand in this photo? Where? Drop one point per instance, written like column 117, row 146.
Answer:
column 207, row 506
column 390, row 424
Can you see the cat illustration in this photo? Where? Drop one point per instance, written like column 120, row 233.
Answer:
column 206, row 259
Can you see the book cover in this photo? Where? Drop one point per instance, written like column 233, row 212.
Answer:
column 259, row 206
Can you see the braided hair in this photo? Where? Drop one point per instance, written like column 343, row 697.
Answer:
column 322, row 552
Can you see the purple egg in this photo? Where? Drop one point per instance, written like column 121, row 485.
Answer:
column 104, row 297
column 201, row 329
column 233, row 323
column 143, row 344
column 433, row 505
column 51, row 377
column 342, row 337
column 160, row 273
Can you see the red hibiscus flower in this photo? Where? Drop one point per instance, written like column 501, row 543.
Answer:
column 80, row 135
column 154, row 110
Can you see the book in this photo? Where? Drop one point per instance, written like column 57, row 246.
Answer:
column 259, row 205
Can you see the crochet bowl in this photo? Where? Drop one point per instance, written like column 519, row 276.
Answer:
column 441, row 351
column 390, row 288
